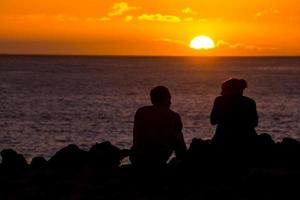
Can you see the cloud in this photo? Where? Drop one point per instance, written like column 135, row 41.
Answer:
column 104, row 19
column 188, row 19
column 202, row 20
column 229, row 45
column 89, row 19
column 120, row 8
column 171, row 41
column 189, row 11
column 159, row 17
column 269, row 11
column 128, row 18
column 244, row 46
column 66, row 18
column 35, row 17
column 27, row 17
column 93, row 19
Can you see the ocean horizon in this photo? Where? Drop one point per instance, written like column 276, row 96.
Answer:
column 50, row 101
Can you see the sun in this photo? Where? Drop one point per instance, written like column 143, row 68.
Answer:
column 202, row 42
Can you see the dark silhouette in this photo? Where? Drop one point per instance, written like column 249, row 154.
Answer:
column 106, row 155
column 269, row 171
column 157, row 131
column 12, row 161
column 101, row 155
column 69, row 157
column 234, row 114
column 39, row 163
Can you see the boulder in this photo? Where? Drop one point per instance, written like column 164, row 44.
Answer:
column 38, row 163
column 71, row 157
column 106, row 155
column 264, row 139
column 12, row 161
column 290, row 141
column 289, row 150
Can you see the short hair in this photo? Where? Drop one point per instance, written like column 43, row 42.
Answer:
column 233, row 85
column 159, row 93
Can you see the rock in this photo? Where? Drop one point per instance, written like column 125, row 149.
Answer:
column 290, row 141
column 289, row 153
column 106, row 155
column 71, row 157
column 38, row 163
column 200, row 154
column 213, row 172
column 197, row 144
column 12, row 161
column 264, row 139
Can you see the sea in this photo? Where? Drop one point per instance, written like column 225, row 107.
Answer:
column 48, row 102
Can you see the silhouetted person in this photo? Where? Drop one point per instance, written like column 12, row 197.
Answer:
column 234, row 114
column 157, row 131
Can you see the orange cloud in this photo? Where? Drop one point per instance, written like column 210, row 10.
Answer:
column 120, row 8
column 171, row 41
column 65, row 18
column 222, row 43
column 159, row 17
column 128, row 18
column 202, row 20
column 104, row 19
column 189, row 11
column 268, row 11
column 26, row 17
column 188, row 19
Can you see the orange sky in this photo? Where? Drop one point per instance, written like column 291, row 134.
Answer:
column 132, row 27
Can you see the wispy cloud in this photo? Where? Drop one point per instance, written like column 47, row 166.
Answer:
column 66, row 18
column 159, row 17
column 189, row 11
column 59, row 17
column 128, row 18
column 104, row 19
column 202, row 20
column 269, row 11
column 27, row 17
column 222, row 43
column 170, row 41
column 120, row 8
column 188, row 19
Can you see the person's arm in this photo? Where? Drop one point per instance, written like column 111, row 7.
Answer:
column 180, row 146
column 254, row 116
column 214, row 115
column 136, row 129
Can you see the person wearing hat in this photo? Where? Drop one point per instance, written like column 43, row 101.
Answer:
column 234, row 114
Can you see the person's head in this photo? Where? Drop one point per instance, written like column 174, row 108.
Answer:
column 233, row 86
column 160, row 95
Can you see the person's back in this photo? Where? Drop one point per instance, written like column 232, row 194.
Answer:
column 157, row 133
column 235, row 116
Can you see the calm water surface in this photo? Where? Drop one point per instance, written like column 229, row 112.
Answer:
column 49, row 102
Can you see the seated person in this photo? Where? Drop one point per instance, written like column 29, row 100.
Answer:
column 234, row 114
column 157, row 131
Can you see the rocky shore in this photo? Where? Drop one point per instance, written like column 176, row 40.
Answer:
column 265, row 170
